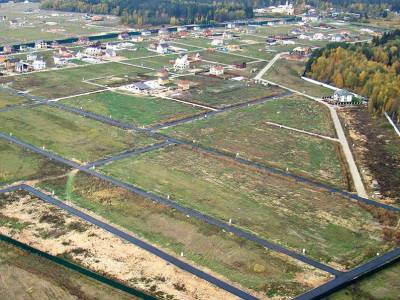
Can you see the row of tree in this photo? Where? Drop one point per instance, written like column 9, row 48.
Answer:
column 372, row 70
column 157, row 12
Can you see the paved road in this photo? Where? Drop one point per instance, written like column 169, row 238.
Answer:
column 187, row 211
column 347, row 278
column 268, row 66
column 137, row 242
column 128, row 153
column 303, row 131
column 358, row 183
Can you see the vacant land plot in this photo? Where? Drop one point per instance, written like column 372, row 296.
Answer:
column 330, row 228
column 67, row 134
column 258, row 51
column 293, row 111
column 48, row 25
column 139, row 110
column 236, row 259
column 217, row 92
column 384, row 285
column 224, row 58
column 66, row 82
column 27, row 276
column 7, row 99
column 156, row 62
column 19, row 164
column 287, row 73
column 376, row 148
column 52, row 230
column 246, row 133
column 201, row 42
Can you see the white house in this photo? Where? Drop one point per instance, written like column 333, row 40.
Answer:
column 343, row 97
column 162, row 48
column 137, row 38
column 59, row 61
column 40, row 44
column 31, row 56
column 93, row 51
column 182, row 63
column 110, row 53
column 217, row 42
column 146, row 33
column 318, row 36
column 217, row 70
column 39, row 64
column 181, row 28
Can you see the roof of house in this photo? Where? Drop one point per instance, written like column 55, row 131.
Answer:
column 141, row 86
column 343, row 93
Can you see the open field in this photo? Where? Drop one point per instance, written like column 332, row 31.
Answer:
column 238, row 260
column 141, row 51
column 224, row 58
column 376, row 148
column 201, row 42
column 10, row 100
column 156, row 62
column 66, row 82
column 246, row 132
column 139, row 110
column 384, row 285
column 217, row 92
column 27, row 276
column 258, row 51
column 287, row 73
column 67, row 134
column 40, row 24
column 50, row 229
column 331, row 229
column 19, row 164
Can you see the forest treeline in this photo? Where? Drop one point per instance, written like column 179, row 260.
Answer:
column 369, row 69
column 155, row 12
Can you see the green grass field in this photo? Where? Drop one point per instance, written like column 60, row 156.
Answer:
column 236, row 259
column 384, row 285
column 139, row 110
column 37, row 28
column 287, row 73
column 246, row 133
column 69, row 135
column 7, row 99
column 157, row 62
column 220, row 93
column 331, row 229
column 224, row 58
column 19, row 164
column 27, row 276
column 201, row 42
column 67, row 82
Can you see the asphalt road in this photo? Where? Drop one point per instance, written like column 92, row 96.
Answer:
column 137, row 242
column 347, row 278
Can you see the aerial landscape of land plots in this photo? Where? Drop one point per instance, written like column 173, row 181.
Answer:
column 190, row 164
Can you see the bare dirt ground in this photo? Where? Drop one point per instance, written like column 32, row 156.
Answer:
column 55, row 232
column 377, row 151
